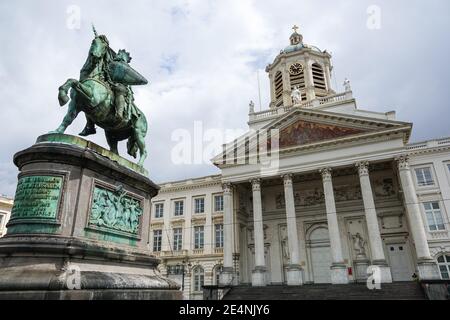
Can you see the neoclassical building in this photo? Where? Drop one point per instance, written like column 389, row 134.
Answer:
column 317, row 191
column 6, row 204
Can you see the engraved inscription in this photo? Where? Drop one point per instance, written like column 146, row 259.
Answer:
column 37, row 197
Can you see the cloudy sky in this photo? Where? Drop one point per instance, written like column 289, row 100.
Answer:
column 202, row 59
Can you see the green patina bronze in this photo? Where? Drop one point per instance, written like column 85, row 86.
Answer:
column 85, row 144
column 115, row 211
column 37, row 197
column 103, row 92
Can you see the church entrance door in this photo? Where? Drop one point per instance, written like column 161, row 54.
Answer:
column 320, row 255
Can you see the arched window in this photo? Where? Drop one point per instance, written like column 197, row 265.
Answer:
column 318, row 76
column 444, row 266
column 199, row 278
column 217, row 272
column 278, row 88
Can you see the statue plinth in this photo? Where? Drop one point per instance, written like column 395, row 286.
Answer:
column 79, row 228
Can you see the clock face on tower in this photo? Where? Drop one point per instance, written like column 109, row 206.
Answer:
column 295, row 68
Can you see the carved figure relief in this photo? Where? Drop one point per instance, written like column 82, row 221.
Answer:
column 304, row 132
column 115, row 210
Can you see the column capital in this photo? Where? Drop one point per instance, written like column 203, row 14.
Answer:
column 326, row 173
column 227, row 187
column 256, row 184
column 363, row 168
column 287, row 178
column 403, row 162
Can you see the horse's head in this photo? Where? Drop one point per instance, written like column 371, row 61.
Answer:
column 99, row 46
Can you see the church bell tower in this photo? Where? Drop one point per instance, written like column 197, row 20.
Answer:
column 299, row 66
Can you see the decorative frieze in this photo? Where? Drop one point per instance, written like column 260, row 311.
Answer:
column 115, row 210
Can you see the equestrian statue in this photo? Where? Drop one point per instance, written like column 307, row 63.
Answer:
column 104, row 94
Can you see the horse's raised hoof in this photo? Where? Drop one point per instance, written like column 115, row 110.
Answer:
column 87, row 131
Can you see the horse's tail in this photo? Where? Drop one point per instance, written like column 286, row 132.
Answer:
column 140, row 129
column 63, row 97
column 132, row 146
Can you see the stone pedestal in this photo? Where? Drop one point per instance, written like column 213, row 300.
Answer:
column 294, row 275
column 79, row 228
column 339, row 274
column 259, row 277
column 226, row 277
column 361, row 266
column 428, row 270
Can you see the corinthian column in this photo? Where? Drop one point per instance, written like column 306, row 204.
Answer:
column 338, row 267
column 425, row 264
column 375, row 242
column 259, row 273
column 226, row 277
column 294, row 271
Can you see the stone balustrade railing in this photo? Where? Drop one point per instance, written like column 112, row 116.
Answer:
column 329, row 100
column 428, row 144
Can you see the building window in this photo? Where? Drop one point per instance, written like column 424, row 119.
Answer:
column 434, row 216
column 179, row 207
column 219, row 235
column 444, row 266
column 218, row 203
column 177, row 239
column 199, row 205
column 175, row 269
column 278, row 84
column 157, row 240
column 159, row 210
column 318, row 76
column 424, row 177
column 199, row 237
column 199, row 278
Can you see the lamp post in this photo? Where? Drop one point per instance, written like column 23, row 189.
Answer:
column 183, row 268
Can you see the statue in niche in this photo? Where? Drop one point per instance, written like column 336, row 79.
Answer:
column 359, row 246
column 284, row 245
column 296, row 96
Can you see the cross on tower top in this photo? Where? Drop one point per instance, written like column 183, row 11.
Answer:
column 295, row 28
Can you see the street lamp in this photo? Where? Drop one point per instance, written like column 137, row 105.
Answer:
column 183, row 268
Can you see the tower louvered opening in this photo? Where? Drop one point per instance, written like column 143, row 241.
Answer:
column 279, row 88
column 318, row 77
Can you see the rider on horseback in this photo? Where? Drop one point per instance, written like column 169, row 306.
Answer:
column 123, row 97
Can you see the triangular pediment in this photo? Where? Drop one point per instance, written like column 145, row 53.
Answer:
column 303, row 132
column 307, row 130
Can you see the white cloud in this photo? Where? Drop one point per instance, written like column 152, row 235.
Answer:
column 201, row 58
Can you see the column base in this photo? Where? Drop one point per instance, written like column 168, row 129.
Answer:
column 385, row 270
column 294, row 275
column 361, row 270
column 259, row 277
column 428, row 270
column 339, row 273
column 226, row 276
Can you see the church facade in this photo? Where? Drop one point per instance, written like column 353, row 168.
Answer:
column 317, row 191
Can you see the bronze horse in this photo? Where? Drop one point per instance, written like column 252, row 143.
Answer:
column 93, row 94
